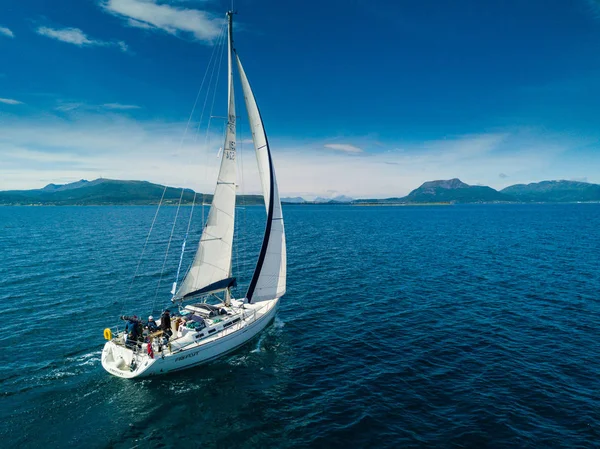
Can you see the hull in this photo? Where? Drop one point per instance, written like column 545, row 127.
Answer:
column 117, row 360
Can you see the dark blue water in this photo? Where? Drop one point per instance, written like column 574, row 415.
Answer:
column 462, row 326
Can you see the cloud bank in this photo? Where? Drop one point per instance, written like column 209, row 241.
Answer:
column 344, row 147
column 120, row 106
column 90, row 143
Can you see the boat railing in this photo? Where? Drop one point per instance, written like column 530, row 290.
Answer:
column 247, row 317
column 244, row 321
column 117, row 334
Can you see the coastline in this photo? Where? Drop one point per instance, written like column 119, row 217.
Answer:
column 303, row 204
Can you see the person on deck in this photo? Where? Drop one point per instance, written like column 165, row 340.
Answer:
column 165, row 323
column 131, row 328
column 152, row 326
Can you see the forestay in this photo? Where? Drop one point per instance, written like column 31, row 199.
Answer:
column 211, row 269
column 268, row 281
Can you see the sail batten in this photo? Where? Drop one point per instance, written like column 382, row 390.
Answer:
column 269, row 278
column 212, row 263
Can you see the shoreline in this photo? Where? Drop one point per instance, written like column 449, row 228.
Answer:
column 302, row 204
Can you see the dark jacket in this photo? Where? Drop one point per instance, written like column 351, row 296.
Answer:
column 152, row 326
column 165, row 321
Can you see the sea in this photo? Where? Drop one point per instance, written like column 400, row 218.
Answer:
column 464, row 326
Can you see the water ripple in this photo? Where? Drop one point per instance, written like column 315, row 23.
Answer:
column 465, row 326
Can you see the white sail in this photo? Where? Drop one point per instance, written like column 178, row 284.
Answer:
column 211, row 269
column 268, row 281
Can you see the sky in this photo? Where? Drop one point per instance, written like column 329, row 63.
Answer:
column 364, row 98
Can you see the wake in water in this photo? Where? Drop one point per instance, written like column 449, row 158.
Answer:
column 91, row 358
column 259, row 343
column 278, row 323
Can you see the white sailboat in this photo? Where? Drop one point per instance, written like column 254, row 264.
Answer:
column 208, row 331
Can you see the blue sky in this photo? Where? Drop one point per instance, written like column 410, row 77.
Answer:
column 361, row 98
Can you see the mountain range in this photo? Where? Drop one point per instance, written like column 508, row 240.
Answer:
column 109, row 191
column 456, row 191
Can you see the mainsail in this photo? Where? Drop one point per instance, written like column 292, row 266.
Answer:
column 211, row 269
column 268, row 281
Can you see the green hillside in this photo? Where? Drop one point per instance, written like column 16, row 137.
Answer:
column 107, row 192
column 554, row 191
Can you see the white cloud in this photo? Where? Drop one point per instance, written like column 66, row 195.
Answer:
column 10, row 101
column 6, row 32
column 149, row 14
column 90, row 144
column 69, row 35
column 120, row 106
column 138, row 24
column 97, row 142
column 71, row 106
column 66, row 107
column 77, row 37
column 528, row 156
column 344, row 147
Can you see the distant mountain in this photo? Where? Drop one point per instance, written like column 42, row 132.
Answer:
column 455, row 191
column 342, row 199
column 293, row 200
column 554, row 191
column 109, row 191
column 73, row 185
column 336, row 199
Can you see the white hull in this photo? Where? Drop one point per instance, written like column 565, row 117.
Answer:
column 185, row 352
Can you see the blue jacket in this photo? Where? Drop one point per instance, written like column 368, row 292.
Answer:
column 131, row 328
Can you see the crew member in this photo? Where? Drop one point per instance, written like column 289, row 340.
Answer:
column 165, row 323
column 152, row 326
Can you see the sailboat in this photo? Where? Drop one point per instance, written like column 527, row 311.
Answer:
column 199, row 332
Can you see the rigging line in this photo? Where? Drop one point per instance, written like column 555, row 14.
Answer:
column 214, row 94
column 208, row 68
column 209, row 121
column 182, row 189
column 211, row 114
column 125, row 301
column 195, row 103
column 162, row 198
column 211, row 61
column 221, row 46
column 214, row 52
column 167, row 252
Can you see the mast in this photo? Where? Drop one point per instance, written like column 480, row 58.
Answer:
column 211, row 269
column 230, row 65
column 230, row 118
